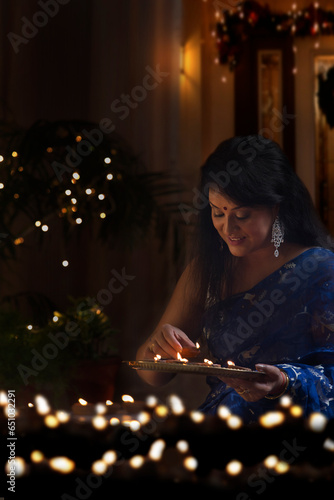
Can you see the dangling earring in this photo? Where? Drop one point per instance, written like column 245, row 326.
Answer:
column 277, row 235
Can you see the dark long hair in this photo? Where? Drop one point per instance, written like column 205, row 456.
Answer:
column 251, row 171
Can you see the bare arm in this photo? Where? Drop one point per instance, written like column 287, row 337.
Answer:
column 179, row 324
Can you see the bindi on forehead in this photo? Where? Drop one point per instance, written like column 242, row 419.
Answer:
column 225, row 208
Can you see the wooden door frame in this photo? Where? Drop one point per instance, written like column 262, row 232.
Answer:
column 246, row 88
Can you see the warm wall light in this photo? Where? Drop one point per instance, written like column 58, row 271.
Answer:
column 182, row 50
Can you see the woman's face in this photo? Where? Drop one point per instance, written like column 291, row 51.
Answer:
column 244, row 229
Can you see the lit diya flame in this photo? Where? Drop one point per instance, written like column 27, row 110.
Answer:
column 157, row 357
column 230, row 363
column 179, row 358
column 197, row 345
column 208, row 361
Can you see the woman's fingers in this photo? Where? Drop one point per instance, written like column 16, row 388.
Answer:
column 256, row 390
column 168, row 341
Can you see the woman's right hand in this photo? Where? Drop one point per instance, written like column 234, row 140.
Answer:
column 167, row 341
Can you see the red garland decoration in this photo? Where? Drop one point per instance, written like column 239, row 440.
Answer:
column 250, row 18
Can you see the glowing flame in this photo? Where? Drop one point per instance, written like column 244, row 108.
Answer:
column 230, row 363
column 127, row 399
column 62, row 464
column 83, row 402
column 179, row 358
column 197, row 345
column 157, row 357
column 208, row 362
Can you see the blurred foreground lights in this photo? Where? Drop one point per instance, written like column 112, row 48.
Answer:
column 136, row 461
column 3, row 398
column 99, row 467
column 281, row 467
column 100, row 408
column 176, row 404
column 329, row 444
column 271, row 461
column 63, row 465
column 110, row 177
column 42, row 405
column 223, row 412
column 99, row 422
column 37, row 456
column 161, row 411
column 197, row 416
column 182, row 446
column 114, row 421
column 234, row 467
column 65, row 263
column 317, row 422
column 296, row 411
column 285, row 401
column 234, row 422
column 156, row 450
column 144, row 417
column 51, row 421
column 45, row 228
column 134, row 425
column 190, row 463
column 109, row 457
column 20, row 467
column 151, row 401
column 271, row 419
column 127, row 399
column 62, row 416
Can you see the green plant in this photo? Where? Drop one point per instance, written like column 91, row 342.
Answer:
column 37, row 355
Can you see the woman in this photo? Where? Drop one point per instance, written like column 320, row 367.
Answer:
column 260, row 286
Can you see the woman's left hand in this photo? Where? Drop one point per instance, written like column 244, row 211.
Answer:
column 273, row 383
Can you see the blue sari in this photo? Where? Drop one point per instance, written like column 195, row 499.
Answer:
column 286, row 320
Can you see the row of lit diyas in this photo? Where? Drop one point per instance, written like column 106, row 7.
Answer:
column 168, row 442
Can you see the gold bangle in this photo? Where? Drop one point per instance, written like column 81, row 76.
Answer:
column 287, row 381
